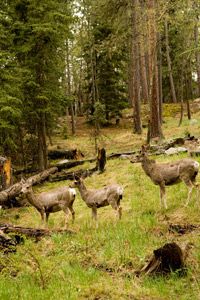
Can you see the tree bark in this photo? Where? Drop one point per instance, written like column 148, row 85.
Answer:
column 155, row 124
column 197, row 53
column 68, row 88
column 181, row 96
column 137, row 126
column 173, row 92
column 160, row 78
column 142, row 52
column 42, row 146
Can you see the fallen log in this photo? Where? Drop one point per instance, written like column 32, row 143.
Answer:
column 71, row 164
column 67, row 154
column 59, row 176
column 36, row 233
column 7, row 244
column 13, row 191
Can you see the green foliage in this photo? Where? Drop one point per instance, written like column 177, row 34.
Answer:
column 99, row 114
column 32, row 63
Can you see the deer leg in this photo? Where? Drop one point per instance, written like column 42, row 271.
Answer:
column 117, row 208
column 73, row 213
column 47, row 217
column 66, row 211
column 94, row 213
column 42, row 212
column 120, row 212
column 190, row 186
column 163, row 196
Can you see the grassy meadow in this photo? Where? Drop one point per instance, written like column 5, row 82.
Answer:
column 99, row 263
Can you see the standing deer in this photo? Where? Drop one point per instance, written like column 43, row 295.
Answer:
column 94, row 199
column 164, row 174
column 53, row 201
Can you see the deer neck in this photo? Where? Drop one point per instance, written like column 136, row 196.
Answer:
column 83, row 191
column 148, row 165
column 31, row 198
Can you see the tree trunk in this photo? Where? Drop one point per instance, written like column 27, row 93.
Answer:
column 173, row 92
column 42, row 146
column 181, row 96
column 68, row 89
column 160, row 78
column 142, row 52
column 197, row 53
column 155, row 125
column 137, row 127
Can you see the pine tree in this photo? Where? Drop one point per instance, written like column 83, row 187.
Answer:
column 40, row 30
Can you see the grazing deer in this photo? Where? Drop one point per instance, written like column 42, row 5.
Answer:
column 164, row 174
column 108, row 195
column 53, row 201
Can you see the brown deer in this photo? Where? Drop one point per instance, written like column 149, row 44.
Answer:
column 164, row 174
column 53, row 201
column 94, row 199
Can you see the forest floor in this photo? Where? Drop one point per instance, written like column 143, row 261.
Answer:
column 100, row 263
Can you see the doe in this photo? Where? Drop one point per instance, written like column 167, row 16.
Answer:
column 53, row 201
column 165, row 174
column 94, row 199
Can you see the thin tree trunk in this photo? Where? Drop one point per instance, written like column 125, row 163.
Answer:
column 197, row 53
column 42, row 146
column 137, row 127
column 182, row 107
column 68, row 87
column 188, row 110
column 155, row 125
column 173, row 92
column 160, row 78
column 94, row 98
column 142, row 52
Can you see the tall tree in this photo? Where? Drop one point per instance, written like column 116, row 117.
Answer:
column 10, row 81
column 40, row 29
column 135, row 68
column 155, row 124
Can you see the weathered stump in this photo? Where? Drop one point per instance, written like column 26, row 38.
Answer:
column 167, row 259
column 101, row 159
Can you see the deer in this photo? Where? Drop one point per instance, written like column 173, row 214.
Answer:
column 94, row 199
column 49, row 202
column 166, row 174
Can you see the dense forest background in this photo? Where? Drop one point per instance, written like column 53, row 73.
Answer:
column 91, row 58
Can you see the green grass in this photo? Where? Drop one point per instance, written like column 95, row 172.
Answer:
column 100, row 263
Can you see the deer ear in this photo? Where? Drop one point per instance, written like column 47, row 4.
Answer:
column 23, row 180
column 76, row 177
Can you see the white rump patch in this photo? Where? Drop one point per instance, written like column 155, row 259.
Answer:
column 196, row 164
column 120, row 190
column 72, row 191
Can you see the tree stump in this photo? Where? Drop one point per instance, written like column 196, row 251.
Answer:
column 167, row 259
column 101, row 160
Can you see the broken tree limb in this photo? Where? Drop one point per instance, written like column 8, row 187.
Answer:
column 59, row 176
column 71, row 164
column 14, row 190
column 36, row 233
